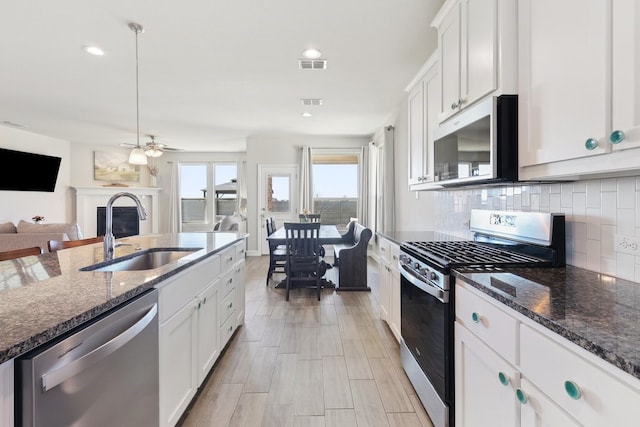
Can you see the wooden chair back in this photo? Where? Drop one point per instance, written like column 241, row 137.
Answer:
column 56, row 245
column 18, row 253
column 271, row 226
column 309, row 217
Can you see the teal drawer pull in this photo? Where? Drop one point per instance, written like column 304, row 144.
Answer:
column 591, row 144
column 504, row 379
column 475, row 317
column 616, row 137
column 572, row 389
column 522, row 398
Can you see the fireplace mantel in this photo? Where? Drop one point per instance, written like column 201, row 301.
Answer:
column 88, row 199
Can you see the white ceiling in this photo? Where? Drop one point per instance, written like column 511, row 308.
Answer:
column 212, row 72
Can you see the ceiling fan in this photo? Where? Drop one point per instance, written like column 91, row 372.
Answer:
column 152, row 148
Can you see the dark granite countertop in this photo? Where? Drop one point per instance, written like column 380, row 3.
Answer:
column 597, row 312
column 42, row 297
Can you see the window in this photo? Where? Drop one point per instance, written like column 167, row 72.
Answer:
column 335, row 185
column 208, row 192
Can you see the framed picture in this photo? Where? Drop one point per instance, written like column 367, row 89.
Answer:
column 113, row 166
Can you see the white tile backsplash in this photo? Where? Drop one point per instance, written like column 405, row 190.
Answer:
column 596, row 210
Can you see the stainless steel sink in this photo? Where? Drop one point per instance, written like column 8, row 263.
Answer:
column 144, row 260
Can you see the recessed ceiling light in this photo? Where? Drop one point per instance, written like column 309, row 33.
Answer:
column 94, row 50
column 311, row 53
column 306, row 114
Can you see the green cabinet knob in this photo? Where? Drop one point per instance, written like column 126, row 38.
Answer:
column 572, row 389
column 475, row 317
column 522, row 398
column 616, row 137
column 504, row 379
column 591, row 144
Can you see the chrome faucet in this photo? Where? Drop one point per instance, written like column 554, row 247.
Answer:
column 109, row 239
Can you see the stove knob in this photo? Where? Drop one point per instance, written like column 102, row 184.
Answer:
column 433, row 276
column 416, row 266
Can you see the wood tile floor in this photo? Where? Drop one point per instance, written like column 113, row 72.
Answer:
column 305, row 362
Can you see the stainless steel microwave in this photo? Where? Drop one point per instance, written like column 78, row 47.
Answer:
column 478, row 146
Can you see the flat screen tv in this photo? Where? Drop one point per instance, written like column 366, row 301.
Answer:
column 22, row 171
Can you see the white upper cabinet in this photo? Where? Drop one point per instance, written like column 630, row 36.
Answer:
column 579, row 88
column 626, row 75
column 477, row 52
column 424, row 93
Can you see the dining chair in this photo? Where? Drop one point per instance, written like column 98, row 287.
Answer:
column 309, row 217
column 277, row 253
column 56, row 245
column 303, row 263
column 18, row 253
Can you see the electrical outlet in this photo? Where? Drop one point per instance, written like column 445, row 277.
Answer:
column 627, row 244
column 466, row 224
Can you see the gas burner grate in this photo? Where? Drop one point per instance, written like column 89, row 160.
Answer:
column 468, row 253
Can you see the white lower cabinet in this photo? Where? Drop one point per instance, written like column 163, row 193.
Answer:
column 485, row 384
column 511, row 371
column 199, row 310
column 390, row 285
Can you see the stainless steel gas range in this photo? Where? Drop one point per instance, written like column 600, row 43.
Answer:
column 501, row 239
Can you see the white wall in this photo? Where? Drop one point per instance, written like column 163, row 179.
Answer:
column 23, row 205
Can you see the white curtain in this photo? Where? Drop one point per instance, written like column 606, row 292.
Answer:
column 363, row 187
column 174, row 199
column 389, row 180
column 241, row 197
column 306, row 188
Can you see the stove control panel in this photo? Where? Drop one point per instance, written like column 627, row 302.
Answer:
column 423, row 271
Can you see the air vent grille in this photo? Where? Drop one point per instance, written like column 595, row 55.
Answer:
column 311, row 101
column 312, row 64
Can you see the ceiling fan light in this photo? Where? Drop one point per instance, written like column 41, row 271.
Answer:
column 153, row 152
column 137, row 157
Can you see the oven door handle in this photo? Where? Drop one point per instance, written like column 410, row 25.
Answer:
column 427, row 287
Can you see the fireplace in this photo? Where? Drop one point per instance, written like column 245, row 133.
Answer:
column 125, row 221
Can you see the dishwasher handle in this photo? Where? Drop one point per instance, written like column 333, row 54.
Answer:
column 53, row 378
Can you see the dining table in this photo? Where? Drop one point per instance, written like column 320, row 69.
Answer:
column 328, row 235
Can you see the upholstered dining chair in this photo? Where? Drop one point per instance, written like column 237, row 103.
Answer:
column 56, row 245
column 19, row 253
column 277, row 253
column 303, row 262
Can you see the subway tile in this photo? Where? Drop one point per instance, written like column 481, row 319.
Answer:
column 637, row 209
column 579, row 206
column 579, row 260
column 625, row 266
column 607, row 233
column 593, row 231
column 566, row 195
column 526, row 197
column 593, row 255
column 535, row 202
column 535, row 189
column 608, row 208
column 609, row 184
column 608, row 266
column 517, row 202
column 625, row 221
column 593, row 194
column 554, row 202
column 637, row 276
column 580, row 187
column 626, row 193
column 579, row 236
column 555, row 188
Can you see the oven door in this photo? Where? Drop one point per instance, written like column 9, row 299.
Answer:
column 427, row 354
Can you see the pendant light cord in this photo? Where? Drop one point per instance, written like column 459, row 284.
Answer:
column 137, row 96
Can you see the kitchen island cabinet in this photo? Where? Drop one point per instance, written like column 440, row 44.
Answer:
column 578, row 89
column 43, row 297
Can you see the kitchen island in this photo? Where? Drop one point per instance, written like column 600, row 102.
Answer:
column 43, row 297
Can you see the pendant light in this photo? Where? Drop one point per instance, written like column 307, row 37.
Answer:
column 137, row 156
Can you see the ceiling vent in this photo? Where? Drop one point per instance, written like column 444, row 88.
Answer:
column 312, row 64
column 311, row 101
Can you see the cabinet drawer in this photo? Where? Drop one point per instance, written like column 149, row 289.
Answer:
column 227, row 307
column 226, row 330
column 241, row 250
column 389, row 251
column 553, row 367
column 227, row 258
column 227, row 283
column 492, row 325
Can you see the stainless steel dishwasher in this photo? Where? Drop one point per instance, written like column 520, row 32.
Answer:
column 104, row 374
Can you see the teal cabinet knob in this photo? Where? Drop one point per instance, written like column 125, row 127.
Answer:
column 522, row 398
column 572, row 390
column 475, row 317
column 616, row 137
column 504, row 379
column 591, row 144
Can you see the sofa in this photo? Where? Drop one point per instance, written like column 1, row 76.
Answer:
column 27, row 234
column 350, row 256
